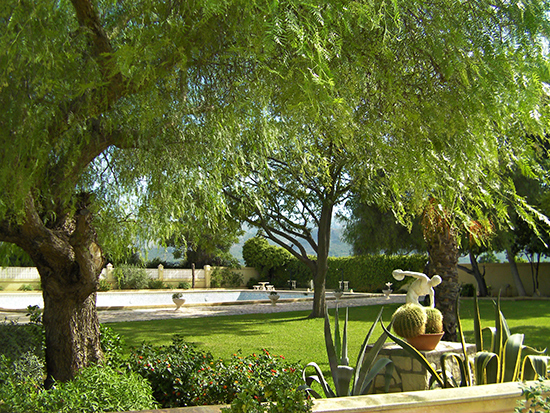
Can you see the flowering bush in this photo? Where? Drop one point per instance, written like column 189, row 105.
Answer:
column 260, row 376
column 183, row 376
column 170, row 370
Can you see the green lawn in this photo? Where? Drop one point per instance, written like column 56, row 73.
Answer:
column 301, row 340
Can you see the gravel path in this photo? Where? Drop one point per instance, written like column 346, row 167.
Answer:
column 109, row 316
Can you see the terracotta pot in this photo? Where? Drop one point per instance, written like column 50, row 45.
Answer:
column 425, row 342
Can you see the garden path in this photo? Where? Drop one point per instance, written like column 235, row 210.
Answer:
column 143, row 314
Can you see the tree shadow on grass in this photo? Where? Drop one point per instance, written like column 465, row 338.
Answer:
column 162, row 331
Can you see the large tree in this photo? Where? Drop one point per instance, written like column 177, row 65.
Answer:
column 292, row 192
column 426, row 100
column 109, row 113
column 118, row 111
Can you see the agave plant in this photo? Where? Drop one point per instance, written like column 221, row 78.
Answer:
column 507, row 360
column 367, row 367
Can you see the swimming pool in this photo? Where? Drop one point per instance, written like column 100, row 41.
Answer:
column 157, row 298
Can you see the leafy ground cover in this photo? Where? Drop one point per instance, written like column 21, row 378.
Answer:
column 301, row 340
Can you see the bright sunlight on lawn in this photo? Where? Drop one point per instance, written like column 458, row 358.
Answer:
column 300, row 339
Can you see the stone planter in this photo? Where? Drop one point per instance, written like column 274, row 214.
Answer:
column 409, row 374
column 179, row 302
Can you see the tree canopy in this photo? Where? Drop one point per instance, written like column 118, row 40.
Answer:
column 134, row 114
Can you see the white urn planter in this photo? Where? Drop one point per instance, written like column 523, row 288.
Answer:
column 274, row 298
column 176, row 298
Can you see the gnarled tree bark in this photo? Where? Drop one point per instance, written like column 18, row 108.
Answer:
column 69, row 262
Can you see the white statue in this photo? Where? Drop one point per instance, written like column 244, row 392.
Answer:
column 421, row 286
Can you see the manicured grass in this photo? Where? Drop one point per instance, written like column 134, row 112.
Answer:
column 301, row 340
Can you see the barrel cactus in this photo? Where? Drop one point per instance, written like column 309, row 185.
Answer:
column 434, row 321
column 409, row 320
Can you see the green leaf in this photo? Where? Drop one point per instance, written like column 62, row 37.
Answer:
column 331, row 352
column 512, row 357
column 477, row 325
column 534, row 368
column 464, row 379
column 487, row 367
column 364, row 360
column 337, row 339
column 318, row 378
column 344, row 361
column 374, row 371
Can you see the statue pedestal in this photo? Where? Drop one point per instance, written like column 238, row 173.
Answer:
column 409, row 374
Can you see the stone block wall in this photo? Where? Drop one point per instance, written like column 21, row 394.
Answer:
column 409, row 374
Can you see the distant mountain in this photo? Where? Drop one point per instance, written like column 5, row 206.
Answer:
column 338, row 248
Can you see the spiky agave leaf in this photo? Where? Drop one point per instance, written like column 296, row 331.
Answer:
column 534, row 367
column 487, row 367
column 364, row 361
column 464, row 382
column 318, row 378
column 512, row 358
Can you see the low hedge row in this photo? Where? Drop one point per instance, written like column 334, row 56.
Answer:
column 365, row 273
column 370, row 273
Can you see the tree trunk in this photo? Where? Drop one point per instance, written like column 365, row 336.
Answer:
column 515, row 273
column 443, row 261
column 72, row 334
column 69, row 262
column 440, row 237
column 319, row 294
column 474, row 271
column 320, row 274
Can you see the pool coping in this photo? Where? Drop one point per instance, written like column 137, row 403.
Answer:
column 354, row 295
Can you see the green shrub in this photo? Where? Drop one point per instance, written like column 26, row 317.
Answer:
column 370, row 273
column 156, row 284
column 26, row 287
column 94, row 389
column 18, row 339
column 170, row 370
column 226, row 278
column 251, row 380
column 294, row 269
column 184, row 285
column 181, row 376
column 35, row 314
column 29, row 366
column 104, row 285
column 468, row 290
column 131, row 278
column 258, row 253
column 367, row 273
column 537, row 398
column 112, row 345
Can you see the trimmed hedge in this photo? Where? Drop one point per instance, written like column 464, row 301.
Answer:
column 370, row 273
column 365, row 273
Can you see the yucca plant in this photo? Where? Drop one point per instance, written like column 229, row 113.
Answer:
column 367, row 367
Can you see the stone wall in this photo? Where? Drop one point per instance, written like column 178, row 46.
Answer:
column 409, row 374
